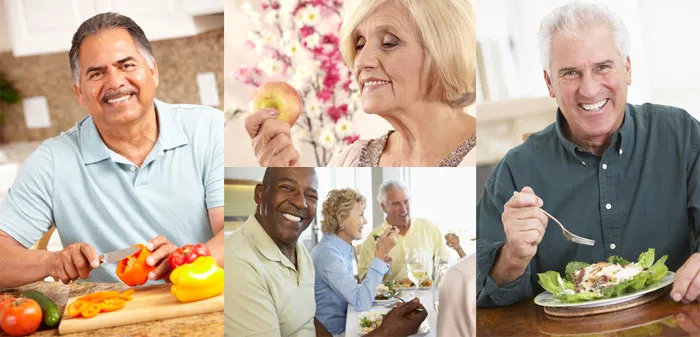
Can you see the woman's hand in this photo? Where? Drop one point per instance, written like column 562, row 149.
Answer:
column 272, row 139
column 386, row 242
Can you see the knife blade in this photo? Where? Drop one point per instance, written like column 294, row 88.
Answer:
column 117, row 255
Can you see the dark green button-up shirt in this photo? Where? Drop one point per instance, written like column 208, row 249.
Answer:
column 642, row 193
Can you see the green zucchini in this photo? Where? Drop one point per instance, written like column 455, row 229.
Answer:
column 49, row 309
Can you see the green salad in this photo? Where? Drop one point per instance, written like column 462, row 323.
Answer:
column 616, row 277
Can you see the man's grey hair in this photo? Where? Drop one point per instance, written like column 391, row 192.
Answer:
column 385, row 187
column 572, row 20
column 102, row 22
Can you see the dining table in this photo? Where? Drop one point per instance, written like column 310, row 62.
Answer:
column 203, row 325
column 352, row 323
column 660, row 317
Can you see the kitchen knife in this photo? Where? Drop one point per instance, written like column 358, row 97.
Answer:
column 117, row 255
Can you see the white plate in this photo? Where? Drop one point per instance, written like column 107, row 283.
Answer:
column 423, row 329
column 384, row 302
column 545, row 299
column 419, row 288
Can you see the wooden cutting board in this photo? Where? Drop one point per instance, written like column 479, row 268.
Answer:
column 148, row 304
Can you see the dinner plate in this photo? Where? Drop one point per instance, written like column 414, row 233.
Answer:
column 423, row 329
column 419, row 288
column 388, row 301
column 546, row 299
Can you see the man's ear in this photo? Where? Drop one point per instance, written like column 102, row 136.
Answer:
column 154, row 73
column 628, row 70
column 258, row 194
column 549, row 84
column 381, row 205
column 78, row 94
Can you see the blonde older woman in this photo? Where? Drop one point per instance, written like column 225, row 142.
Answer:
column 336, row 286
column 415, row 64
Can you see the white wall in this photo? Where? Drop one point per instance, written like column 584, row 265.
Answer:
column 244, row 173
column 663, row 51
column 5, row 43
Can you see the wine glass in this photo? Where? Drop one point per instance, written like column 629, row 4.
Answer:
column 417, row 266
column 440, row 271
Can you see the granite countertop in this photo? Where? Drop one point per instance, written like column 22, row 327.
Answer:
column 205, row 325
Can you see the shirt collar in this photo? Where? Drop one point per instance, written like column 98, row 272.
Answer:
column 339, row 243
column 170, row 135
column 92, row 148
column 619, row 140
column 266, row 246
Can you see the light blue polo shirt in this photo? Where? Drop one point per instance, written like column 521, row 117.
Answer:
column 96, row 196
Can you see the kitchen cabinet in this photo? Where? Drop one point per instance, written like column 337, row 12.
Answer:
column 203, row 7
column 39, row 26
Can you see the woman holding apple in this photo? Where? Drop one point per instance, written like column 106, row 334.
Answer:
column 415, row 65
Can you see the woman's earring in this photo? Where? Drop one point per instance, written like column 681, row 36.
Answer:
column 341, row 228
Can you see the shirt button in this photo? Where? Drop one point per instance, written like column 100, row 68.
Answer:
column 612, row 246
column 584, row 163
column 132, row 168
column 605, row 166
column 620, row 151
column 608, row 206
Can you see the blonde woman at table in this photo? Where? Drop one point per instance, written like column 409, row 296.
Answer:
column 336, row 286
column 414, row 62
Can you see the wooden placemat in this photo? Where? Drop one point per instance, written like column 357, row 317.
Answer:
column 579, row 312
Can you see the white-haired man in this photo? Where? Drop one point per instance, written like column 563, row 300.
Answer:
column 413, row 233
column 625, row 176
column 136, row 170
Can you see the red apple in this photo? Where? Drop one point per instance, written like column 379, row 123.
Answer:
column 279, row 96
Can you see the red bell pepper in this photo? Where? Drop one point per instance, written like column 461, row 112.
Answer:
column 133, row 270
column 187, row 254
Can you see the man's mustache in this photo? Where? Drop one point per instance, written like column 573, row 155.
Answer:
column 118, row 93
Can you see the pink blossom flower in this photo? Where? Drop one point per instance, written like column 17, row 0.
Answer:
column 351, row 139
column 248, row 75
column 346, row 85
column 336, row 113
column 330, row 39
column 306, row 31
column 324, row 95
column 331, row 80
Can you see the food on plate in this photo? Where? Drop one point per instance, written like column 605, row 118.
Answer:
column 616, row 277
column 49, row 309
column 102, row 301
column 133, row 270
column 407, row 283
column 279, row 96
column 187, row 254
column 371, row 320
column 385, row 291
column 20, row 317
column 198, row 280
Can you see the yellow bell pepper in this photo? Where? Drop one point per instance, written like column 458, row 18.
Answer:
column 198, row 280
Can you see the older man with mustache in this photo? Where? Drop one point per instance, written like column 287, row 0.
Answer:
column 270, row 276
column 136, row 170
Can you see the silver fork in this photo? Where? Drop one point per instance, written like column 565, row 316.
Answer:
column 570, row 236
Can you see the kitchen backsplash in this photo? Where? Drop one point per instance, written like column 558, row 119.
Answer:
column 179, row 61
